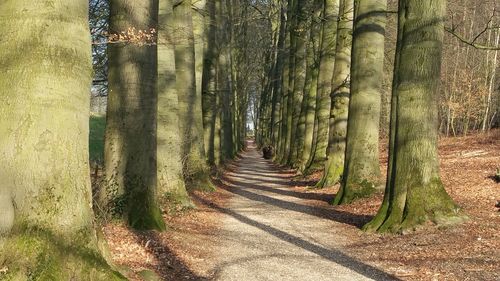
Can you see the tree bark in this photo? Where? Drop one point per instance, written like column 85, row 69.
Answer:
column 209, row 84
column 130, row 148
column 46, row 217
column 323, row 100
column 171, row 184
column 340, row 97
column 196, row 170
column 361, row 168
column 414, row 192
column 301, row 35
column 311, row 86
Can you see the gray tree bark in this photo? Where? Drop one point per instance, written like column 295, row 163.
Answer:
column 46, row 217
column 414, row 193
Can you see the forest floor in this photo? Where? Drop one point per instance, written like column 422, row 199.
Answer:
column 265, row 223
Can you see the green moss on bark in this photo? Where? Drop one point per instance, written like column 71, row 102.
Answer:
column 358, row 189
column 39, row 254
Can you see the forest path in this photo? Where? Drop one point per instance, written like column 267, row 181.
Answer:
column 269, row 233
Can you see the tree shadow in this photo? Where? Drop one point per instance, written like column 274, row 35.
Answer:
column 325, row 197
column 170, row 267
column 325, row 213
column 333, row 255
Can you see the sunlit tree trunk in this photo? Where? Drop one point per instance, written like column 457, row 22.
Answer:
column 491, row 85
column 311, row 86
column 362, row 169
column 277, row 81
column 209, row 84
column 199, row 12
column 169, row 157
column 340, row 97
column 196, row 170
column 130, row 148
column 414, row 192
column 287, row 80
column 301, row 35
column 323, row 100
column 46, row 218
column 290, row 80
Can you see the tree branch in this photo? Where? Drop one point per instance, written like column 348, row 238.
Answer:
column 471, row 43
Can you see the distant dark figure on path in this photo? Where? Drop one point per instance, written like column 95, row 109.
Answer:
column 268, row 152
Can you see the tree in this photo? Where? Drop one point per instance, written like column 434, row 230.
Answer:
column 340, row 97
column 362, row 169
column 308, row 110
column 323, row 100
column 131, row 144
column 301, row 35
column 209, row 84
column 46, row 217
column 169, row 158
column 414, row 192
column 196, row 171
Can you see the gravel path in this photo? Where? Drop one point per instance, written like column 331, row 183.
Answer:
column 269, row 233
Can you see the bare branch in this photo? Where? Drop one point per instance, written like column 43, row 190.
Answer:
column 471, row 43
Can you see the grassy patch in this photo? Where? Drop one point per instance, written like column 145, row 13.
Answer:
column 96, row 138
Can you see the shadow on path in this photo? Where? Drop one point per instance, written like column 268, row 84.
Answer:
column 330, row 254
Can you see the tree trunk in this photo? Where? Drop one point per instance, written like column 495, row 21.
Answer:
column 46, row 218
column 414, row 192
column 311, row 87
column 301, row 35
column 169, row 157
column 130, row 148
column 362, row 169
column 290, row 79
column 209, row 82
column 196, row 171
column 340, row 97
column 323, row 100
column 491, row 82
column 285, row 75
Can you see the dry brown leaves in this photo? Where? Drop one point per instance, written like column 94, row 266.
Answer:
column 470, row 251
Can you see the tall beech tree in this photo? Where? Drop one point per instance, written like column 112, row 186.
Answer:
column 340, row 97
column 169, row 155
column 131, row 144
column 196, row 170
column 308, row 111
column 209, row 88
column 362, row 168
column 414, row 192
column 46, row 217
column 323, row 100
column 301, row 34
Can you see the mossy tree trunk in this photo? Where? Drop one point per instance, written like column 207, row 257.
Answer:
column 340, row 97
column 290, row 80
column 209, row 84
column 277, row 78
column 301, row 35
column 414, row 192
column 323, row 100
column 285, row 76
column 46, row 217
column 130, row 148
column 196, row 170
column 224, row 83
column 199, row 12
column 362, row 169
column 170, row 182
column 311, row 86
